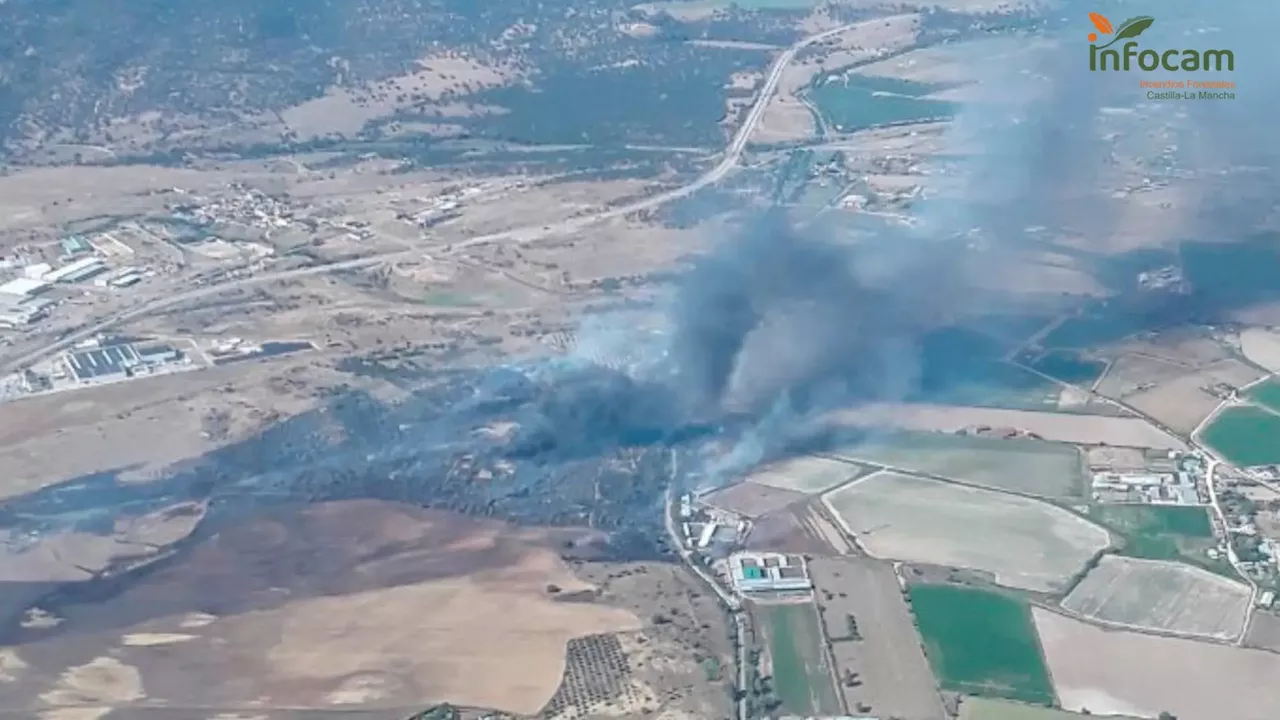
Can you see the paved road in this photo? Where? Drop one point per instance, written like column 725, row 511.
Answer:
column 730, row 601
column 732, row 154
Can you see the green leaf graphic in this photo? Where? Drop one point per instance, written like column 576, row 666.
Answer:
column 1131, row 28
column 1134, row 27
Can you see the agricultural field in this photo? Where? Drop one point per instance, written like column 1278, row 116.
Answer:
column 977, row 708
column 981, row 643
column 1163, row 532
column 1020, row 465
column 797, row 659
column 1180, row 403
column 1264, row 631
column 1262, row 347
column 752, row 499
column 1130, row 373
column 1053, row 427
column 1266, row 394
column 1109, row 671
column 1162, row 596
column 1020, row 542
column 806, row 474
column 1245, row 436
column 887, row 657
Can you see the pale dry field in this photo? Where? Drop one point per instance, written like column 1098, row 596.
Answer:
column 1117, row 458
column 1163, row 596
column 1261, row 347
column 344, row 605
column 140, row 427
column 806, row 475
column 1233, row 372
column 897, row 681
column 1129, row 373
column 1119, row 672
column 1187, row 347
column 1264, row 631
column 976, row 708
column 1058, row 427
column 1023, row 543
column 345, row 110
column 1179, row 403
column 752, row 499
column 1018, row 465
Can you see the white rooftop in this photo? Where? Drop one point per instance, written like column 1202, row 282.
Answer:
column 23, row 286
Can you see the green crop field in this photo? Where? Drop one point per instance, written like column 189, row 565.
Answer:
column 1266, row 394
column 802, row 677
column 981, row 643
column 1245, row 436
column 1189, row 521
column 1164, row 532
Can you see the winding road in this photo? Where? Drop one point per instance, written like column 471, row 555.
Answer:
column 732, row 155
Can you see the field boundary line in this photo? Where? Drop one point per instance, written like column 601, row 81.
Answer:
column 882, row 468
column 1129, row 627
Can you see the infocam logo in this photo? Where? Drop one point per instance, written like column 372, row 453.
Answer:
column 1103, row 58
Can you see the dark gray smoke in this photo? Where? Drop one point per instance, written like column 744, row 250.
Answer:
column 775, row 324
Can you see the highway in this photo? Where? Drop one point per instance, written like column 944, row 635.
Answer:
column 732, row 154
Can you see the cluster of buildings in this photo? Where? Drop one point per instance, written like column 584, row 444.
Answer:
column 1179, row 487
column 92, row 362
column 709, row 531
column 243, row 205
column 768, row 573
column 22, row 298
column 715, row 537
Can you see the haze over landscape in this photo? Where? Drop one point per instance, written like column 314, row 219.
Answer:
column 686, row 359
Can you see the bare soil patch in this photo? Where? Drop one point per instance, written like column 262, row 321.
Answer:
column 71, row 556
column 1131, row 373
column 1261, row 347
column 1162, row 596
column 1059, row 427
column 1116, row 458
column 344, row 110
column 1181, row 403
column 791, row 531
column 138, row 428
column 1120, row 672
column 1264, row 631
column 887, row 655
column 753, row 499
column 352, row 604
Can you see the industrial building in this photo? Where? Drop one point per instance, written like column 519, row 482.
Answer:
column 81, row 269
column 95, row 364
column 18, row 312
column 37, row 271
column 23, row 287
column 768, row 572
column 122, row 278
column 73, row 245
